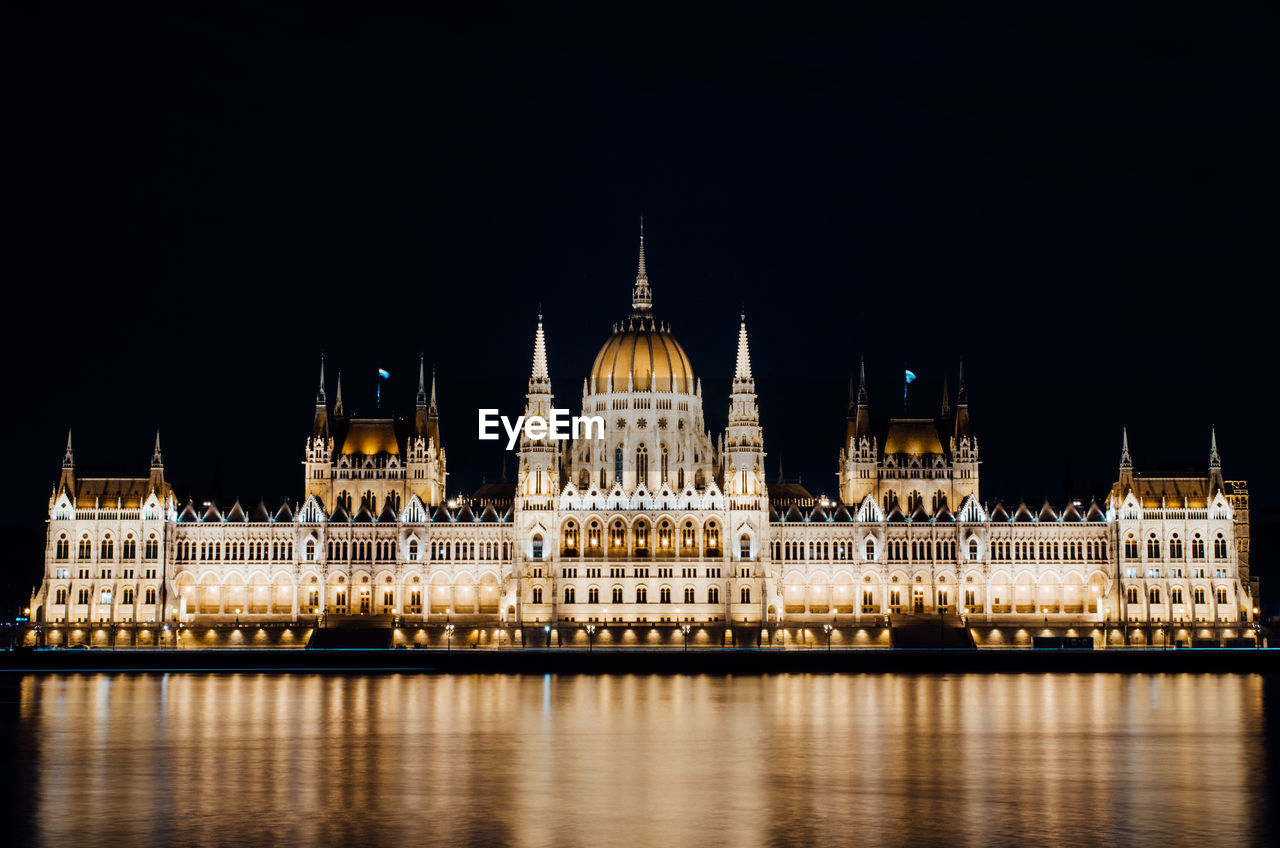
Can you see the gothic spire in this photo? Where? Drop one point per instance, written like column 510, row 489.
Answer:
column 641, row 296
column 68, row 458
column 962, row 407
column 320, row 398
column 540, row 376
column 1215, row 461
column 422, row 383
column 862, row 382
column 742, row 373
column 962, row 394
column 157, row 461
column 337, row 402
column 431, row 404
column 946, row 399
column 1126, row 460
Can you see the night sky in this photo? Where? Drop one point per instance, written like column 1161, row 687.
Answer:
column 1080, row 203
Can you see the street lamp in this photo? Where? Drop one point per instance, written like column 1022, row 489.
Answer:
column 591, row 635
column 826, row 628
column 448, row 637
column 684, row 628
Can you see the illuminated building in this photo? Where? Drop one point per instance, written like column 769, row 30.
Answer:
column 656, row 525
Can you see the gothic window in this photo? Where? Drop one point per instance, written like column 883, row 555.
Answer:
column 107, row 549
column 1219, row 547
column 973, row 550
column 1197, row 547
column 570, row 536
column 642, row 536
column 680, row 479
column 1131, row 595
column 60, row 596
column 642, row 466
column 537, row 595
column 1175, row 547
column 1130, row 547
column 593, row 595
column 1154, row 595
column 664, row 536
column 1153, row 547
column 150, row 596
column 688, row 594
column 713, row 595
column 82, row 596
column 871, row 550
column 126, row 596
column 603, row 484
column 1175, row 595
column 617, row 534
column 1222, row 595
column 537, row 546
column 664, row 595
column 64, row 548
column 413, row 549
column 662, row 471
column 129, row 550
column 617, row 594
column 744, row 546
column 713, row 538
column 569, row 595
column 746, row 594
column 311, row 550
column 1198, row 596
column 617, row 464
column 688, row 537
column 642, row 595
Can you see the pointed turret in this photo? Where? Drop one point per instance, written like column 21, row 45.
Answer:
column 539, row 375
column 538, row 477
column 1215, row 464
column 67, row 481
column 320, row 397
column 338, row 411
column 859, row 424
column 945, row 410
column 641, row 296
column 742, row 371
column 1126, row 464
column 157, row 460
column 420, row 420
column 320, row 429
column 962, row 408
column 742, row 445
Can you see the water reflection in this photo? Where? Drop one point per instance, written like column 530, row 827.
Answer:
column 707, row 761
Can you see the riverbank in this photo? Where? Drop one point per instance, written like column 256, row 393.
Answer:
column 640, row 661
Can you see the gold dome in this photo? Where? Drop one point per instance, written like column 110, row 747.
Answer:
column 647, row 354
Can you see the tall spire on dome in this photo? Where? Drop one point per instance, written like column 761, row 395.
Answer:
column 641, row 296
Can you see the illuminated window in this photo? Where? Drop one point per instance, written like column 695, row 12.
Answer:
column 744, row 546
column 537, row 546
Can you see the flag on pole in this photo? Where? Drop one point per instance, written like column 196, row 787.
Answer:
column 908, row 378
column 386, row 375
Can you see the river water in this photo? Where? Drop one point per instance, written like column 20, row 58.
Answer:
column 406, row 760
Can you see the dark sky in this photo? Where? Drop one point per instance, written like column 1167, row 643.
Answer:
column 1079, row 202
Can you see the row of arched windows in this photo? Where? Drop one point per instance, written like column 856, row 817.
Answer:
column 484, row 551
column 642, row 595
column 1176, row 550
column 106, row 548
column 640, row 539
column 189, row 550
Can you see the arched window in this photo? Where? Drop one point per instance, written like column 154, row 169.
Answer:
column 1131, row 595
column 688, row 594
column 744, row 547
column 1154, row 594
column 537, row 594
column 1222, row 595
column 107, row 549
column 664, row 595
column 664, row 536
column 537, row 546
column 64, row 548
column 642, row 466
column 311, row 550
column 593, row 595
column 1197, row 547
column 569, row 595
column 413, row 550
column 129, row 550
column 570, row 536
column 617, row 465
column 973, row 550
column 1153, row 547
column 746, row 594
column 86, row 549
column 871, row 549
column 713, row 595
column 1175, row 547
column 617, row 594
column 1219, row 547
column 1130, row 547
column 617, row 535
column 663, row 469
column 642, row 595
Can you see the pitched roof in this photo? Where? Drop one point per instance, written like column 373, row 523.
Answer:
column 237, row 513
column 913, row 436
column 284, row 513
column 260, row 514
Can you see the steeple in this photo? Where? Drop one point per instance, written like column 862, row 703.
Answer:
column 1126, row 464
column 641, row 296
column 155, row 481
column 742, row 380
column 946, row 400
column 1215, row 464
column 539, row 375
column 422, row 383
column 320, row 398
column 337, row 402
column 858, row 424
column 67, row 480
column 962, row 408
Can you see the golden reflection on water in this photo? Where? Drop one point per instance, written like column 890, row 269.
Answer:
column 708, row 761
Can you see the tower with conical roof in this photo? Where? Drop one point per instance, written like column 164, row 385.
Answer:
column 318, row 455
column 537, row 482
column 425, row 459
column 742, row 459
column 859, row 473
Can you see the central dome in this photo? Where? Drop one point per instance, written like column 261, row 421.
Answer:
column 647, row 354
